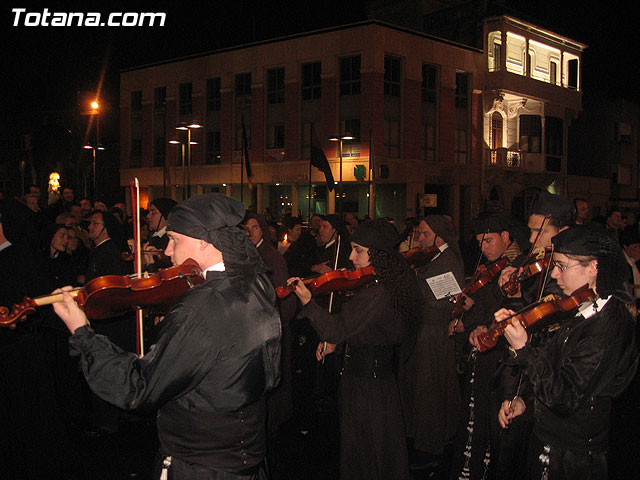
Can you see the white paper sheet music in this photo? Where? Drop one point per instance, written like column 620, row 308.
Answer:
column 444, row 285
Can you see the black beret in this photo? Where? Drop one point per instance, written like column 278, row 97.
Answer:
column 490, row 223
column 561, row 209
column 594, row 241
column 377, row 234
column 442, row 227
column 198, row 216
column 164, row 205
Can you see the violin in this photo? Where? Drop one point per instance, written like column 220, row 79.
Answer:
column 335, row 280
column 536, row 312
column 512, row 285
column 114, row 295
column 482, row 277
column 418, row 256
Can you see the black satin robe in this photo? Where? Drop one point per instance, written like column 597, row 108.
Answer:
column 215, row 357
column 574, row 374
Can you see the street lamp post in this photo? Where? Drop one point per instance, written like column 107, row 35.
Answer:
column 188, row 128
column 340, row 139
column 93, row 148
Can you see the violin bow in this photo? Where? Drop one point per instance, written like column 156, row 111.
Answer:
column 135, row 211
column 335, row 267
column 474, row 273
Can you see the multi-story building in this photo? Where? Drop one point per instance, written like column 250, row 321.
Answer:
column 445, row 127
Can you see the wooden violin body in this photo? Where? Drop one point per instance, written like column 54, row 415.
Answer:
column 512, row 286
column 482, row 277
column 333, row 281
column 114, row 295
column 418, row 257
column 533, row 314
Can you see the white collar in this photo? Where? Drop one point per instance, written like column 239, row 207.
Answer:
column 160, row 233
column 442, row 248
column 260, row 242
column 6, row 244
column 589, row 308
column 328, row 244
column 218, row 267
column 106, row 239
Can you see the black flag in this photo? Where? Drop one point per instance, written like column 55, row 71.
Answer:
column 319, row 159
column 245, row 154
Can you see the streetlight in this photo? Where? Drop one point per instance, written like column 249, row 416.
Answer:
column 340, row 139
column 188, row 127
column 183, row 164
column 93, row 148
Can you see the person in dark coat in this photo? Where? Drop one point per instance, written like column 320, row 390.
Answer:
column 428, row 378
column 279, row 402
column 157, row 220
column 576, row 372
column 372, row 324
column 217, row 354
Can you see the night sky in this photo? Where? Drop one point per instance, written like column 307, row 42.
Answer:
column 45, row 66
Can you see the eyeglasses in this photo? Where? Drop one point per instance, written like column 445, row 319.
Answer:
column 96, row 223
column 562, row 268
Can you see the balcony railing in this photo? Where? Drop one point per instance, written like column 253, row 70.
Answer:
column 503, row 157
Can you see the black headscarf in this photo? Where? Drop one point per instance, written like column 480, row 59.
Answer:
column 377, row 234
column 215, row 218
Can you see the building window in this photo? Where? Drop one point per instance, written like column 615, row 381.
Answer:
column 429, row 143
column 494, row 48
column 159, row 99
column 136, row 152
column 213, row 147
column 159, row 151
column 460, row 146
column 305, row 141
column 530, row 133
column 351, row 148
column 392, row 75
column 391, row 137
column 243, row 84
column 275, row 85
column 429, row 83
column 554, row 143
column 185, row 106
column 275, row 136
column 213, row 94
column 462, row 89
column 553, row 73
column 350, row 75
column 311, row 73
column 136, row 101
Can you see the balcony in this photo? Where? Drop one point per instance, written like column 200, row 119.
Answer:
column 504, row 158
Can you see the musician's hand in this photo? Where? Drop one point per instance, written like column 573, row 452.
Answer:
column 505, row 275
column 455, row 326
column 516, row 335
column 324, row 349
column 321, row 268
column 467, row 302
column 509, row 412
column 69, row 311
column 301, row 290
column 150, row 254
column 503, row 314
column 473, row 336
